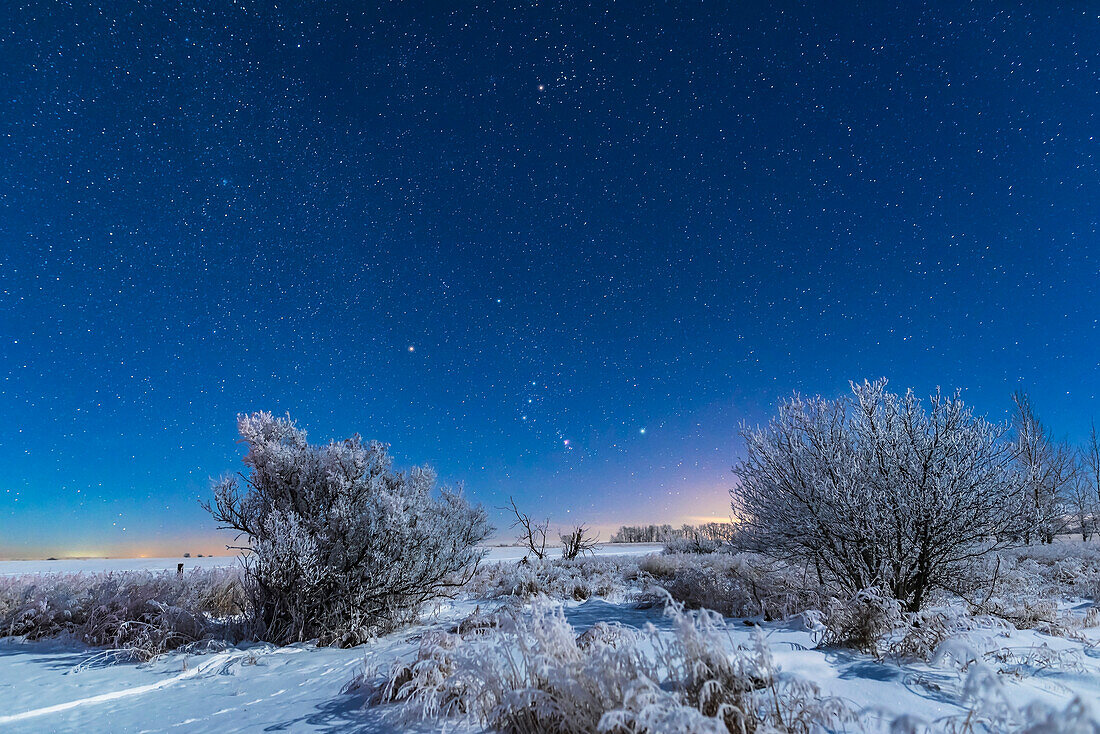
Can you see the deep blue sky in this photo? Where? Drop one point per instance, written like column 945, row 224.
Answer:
column 481, row 234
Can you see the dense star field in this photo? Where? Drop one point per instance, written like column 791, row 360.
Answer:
column 557, row 252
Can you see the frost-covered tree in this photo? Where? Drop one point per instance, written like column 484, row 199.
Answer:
column 873, row 489
column 1088, row 472
column 1081, row 504
column 1047, row 469
column 337, row 544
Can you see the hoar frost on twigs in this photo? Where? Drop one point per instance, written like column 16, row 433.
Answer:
column 875, row 489
column 531, row 672
column 340, row 546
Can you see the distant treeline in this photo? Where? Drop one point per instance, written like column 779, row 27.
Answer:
column 717, row 531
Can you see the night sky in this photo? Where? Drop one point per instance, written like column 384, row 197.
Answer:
column 557, row 252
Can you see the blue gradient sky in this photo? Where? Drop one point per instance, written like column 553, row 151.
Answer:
column 557, row 252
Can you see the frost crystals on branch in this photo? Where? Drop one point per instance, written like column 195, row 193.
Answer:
column 1047, row 469
column 874, row 490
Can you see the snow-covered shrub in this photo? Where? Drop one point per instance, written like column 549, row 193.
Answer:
column 609, row 577
column 923, row 635
column 743, row 585
column 873, row 489
column 994, row 707
column 705, row 587
column 140, row 614
column 340, row 546
column 1028, row 659
column 873, row 623
column 862, row 622
column 1067, row 569
column 1028, row 586
column 533, row 673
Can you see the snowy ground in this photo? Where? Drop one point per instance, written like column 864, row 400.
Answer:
column 50, row 686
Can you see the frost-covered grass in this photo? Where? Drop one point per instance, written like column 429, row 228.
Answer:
column 739, row 585
column 532, row 669
column 744, row 585
column 572, row 646
column 138, row 615
column 612, row 577
column 533, row 672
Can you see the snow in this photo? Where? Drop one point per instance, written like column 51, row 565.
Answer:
column 51, row 686
column 94, row 565
column 59, row 686
column 295, row 687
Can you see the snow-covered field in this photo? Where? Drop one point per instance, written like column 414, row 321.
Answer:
column 95, row 565
column 54, row 686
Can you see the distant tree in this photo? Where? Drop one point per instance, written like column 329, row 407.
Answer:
column 577, row 542
column 1047, row 468
column 636, row 534
column 1082, row 505
column 1088, row 471
column 875, row 490
column 338, row 545
column 186, row 555
column 664, row 533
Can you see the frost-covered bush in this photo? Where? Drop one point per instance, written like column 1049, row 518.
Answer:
column 875, row 490
column 745, row 585
column 611, row 577
column 139, row 614
column 1068, row 569
column 340, row 546
column 874, row 623
column 742, row 585
column 1030, row 586
column 533, row 673
column 862, row 622
column 929, row 633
